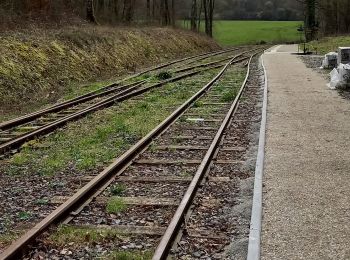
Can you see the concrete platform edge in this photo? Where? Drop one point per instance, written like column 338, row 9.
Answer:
column 254, row 246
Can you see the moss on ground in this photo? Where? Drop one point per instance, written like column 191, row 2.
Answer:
column 41, row 66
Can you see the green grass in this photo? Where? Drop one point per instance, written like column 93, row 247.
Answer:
column 328, row 44
column 255, row 32
column 79, row 236
column 24, row 215
column 102, row 136
column 115, row 205
column 74, row 90
column 117, row 189
column 229, row 95
column 66, row 234
column 6, row 239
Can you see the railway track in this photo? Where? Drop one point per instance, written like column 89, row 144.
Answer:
column 14, row 133
column 149, row 190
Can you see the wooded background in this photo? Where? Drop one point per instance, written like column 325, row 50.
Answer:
column 326, row 17
column 322, row 17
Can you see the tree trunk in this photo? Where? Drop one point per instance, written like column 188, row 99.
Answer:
column 194, row 15
column 208, row 6
column 128, row 11
column 148, row 10
column 199, row 18
column 116, row 10
column 173, row 13
column 310, row 20
column 90, row 14
column 211, row 17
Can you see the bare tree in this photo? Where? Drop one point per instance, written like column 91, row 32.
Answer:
column 194, row 15
column 148, row 10
column 90, row 14
column 208, row 6
column 128, row 10
column 173, row 13
column 310, row 20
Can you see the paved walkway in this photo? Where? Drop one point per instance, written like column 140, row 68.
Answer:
column 306, row 201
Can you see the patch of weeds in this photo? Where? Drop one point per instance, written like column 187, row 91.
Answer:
column 144, row 105
column 186, row 174
column 56, row 184
column 19, row 159
column 42, row 201
column 163, row 75
column 6, row 239
column 115, row 205
column 198, row 104
column 102, row 136
column 229, row 96
column 76, row 90
column 117, row 189
column 205, row 110
column 182, row 119
column 177, row 140
column 17, row 190
column 146, row 76
column 24, row 215
column 135, row 255
column 153, row 147
column 79, row 235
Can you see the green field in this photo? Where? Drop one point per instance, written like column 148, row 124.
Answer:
column 251, row 32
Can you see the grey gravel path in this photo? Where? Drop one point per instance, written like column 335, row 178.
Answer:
column 306, row 205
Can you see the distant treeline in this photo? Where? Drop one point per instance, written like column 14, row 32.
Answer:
column 322, row 17
column 326, row 17
column 141, row 11
column 15, row 13
column 282, row 10
column 105, row 11
column 334, row 16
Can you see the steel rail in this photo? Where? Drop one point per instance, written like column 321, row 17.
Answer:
column 208, row 54
column 19, row 246
column 59, row 107
column 93, row 94
column 215, row 62
column 203, row 58
column 18, row 141
column 165, row 244
column 209, row 64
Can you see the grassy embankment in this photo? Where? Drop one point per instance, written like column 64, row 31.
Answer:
column 329, row 44
column 39, row 67
column 256, row 32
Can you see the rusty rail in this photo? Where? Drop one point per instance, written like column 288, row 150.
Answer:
column 165, row 244
column 18, row 247
column 127, row 94
column 97, row 93
column 60, row 106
